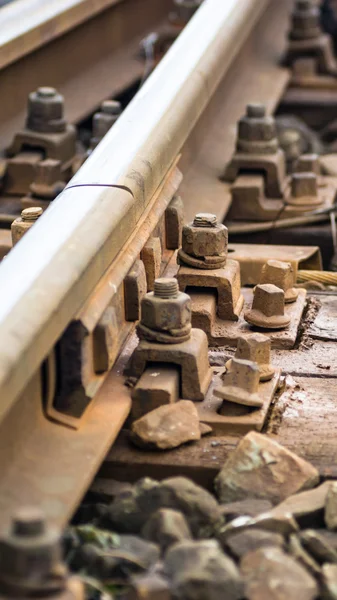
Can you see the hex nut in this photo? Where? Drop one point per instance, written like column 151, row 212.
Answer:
column 256, row 348
column 305, row 23
column 267, row 310
column 201, row 241
column 166, row 314
column 30, row 553
column 308, row 163
column 45, row 111
column 280, row 274
column 257, row 131
column 241, row 384
column 303, row 185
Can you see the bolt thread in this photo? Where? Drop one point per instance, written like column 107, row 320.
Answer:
column 204, row 220
column 46, row 92
column 257, row 111
column 31, row 214
column 111, row 107
column 28, row 522
column 166, row 288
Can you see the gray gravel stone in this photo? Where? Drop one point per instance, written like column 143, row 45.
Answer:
column 166, row 527
column 199, row 507
column 297, row 550
column 306, row 507
column 331, row 507
column 318, row 546
column 240, row 544
column 329, row 582
column 270, row 574
column 282, row 524
column 130, row 511
column 259, row 467
column 251, row 507
column 167, row 427
column 125, row 513
column 201, row 571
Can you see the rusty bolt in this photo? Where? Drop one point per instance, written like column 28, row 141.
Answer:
column 22, row 224
column 305, row 22
column 48, row 180
column 303, row 185
column 304, row 190
column 257, row 131
column 29, row 215
column 280, row 274
column 308, row 163
column 267, row 310
column 166, row 311
column 205, row 237
column 241, row 384
column 30, row 556
column 104, row 119
column 45, row 111
column 255, row 347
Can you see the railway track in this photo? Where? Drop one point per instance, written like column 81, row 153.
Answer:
column 73, row 374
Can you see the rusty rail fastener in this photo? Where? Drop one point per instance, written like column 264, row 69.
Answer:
column 30, row 560
column 103, row 120
column 241, row 384
column 304, row 190
column 305, row 21
column 204, row 264
column 204, row 243
column 165, row 314
column 267, row 310
column 45, row 111
column 280, row 274
column 255, row 347
column 257, row 131
column 22, row 224
column 258, row 149
column 166, row 337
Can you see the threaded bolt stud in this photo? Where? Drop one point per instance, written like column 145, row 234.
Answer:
column 166, row 288
column 111, row 107
column 28, row 522
column 205, row 220
column 256, row 111
column 32, row 213
column 46, row 92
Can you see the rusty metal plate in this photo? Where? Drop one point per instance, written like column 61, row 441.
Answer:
column 252, row 257
column 238, row 419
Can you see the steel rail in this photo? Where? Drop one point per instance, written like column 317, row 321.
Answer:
column 50, row 274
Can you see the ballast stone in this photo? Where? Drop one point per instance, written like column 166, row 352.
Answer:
column 306, row 507
column 270, row 574
column 330, row 515
column 167, row 426
column 252, row 539
column 329, row 582
column 129, row 512
column 259, row 467
column 166, row 527
column 201, row 571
